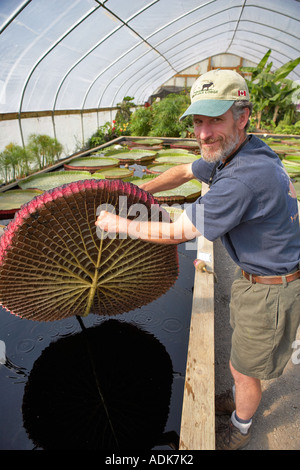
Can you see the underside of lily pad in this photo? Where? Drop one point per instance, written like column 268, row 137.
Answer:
column 55, row 263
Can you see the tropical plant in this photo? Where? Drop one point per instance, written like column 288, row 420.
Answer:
column 162, row 118
column 141, row 121
column 271, row 92
column 166, row 114
column 124, row 112
column 44, row 149
column 14, row 162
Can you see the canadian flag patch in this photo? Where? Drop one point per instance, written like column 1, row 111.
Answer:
column 242, row 93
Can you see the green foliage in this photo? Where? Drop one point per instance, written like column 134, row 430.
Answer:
column 111, row 130
column 162, row 118
column 141, row 122
column 103, row 134
column 44, row 149
column 17, row 162
column 14, row 162
column 166, row 114
column 124, row 112
column 271, row 92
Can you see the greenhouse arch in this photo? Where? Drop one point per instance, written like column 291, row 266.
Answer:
column 69, row 63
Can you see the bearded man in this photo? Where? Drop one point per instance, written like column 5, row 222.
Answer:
column 252, row 207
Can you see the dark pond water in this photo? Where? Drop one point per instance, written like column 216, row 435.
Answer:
column 97, row 382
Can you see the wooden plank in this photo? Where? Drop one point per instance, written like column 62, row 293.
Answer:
column 198, row 412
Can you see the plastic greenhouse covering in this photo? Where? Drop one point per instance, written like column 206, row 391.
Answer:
column 66, row 54
column 86, row 54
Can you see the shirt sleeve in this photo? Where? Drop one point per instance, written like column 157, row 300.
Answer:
column 224, row 206
column 202, row 169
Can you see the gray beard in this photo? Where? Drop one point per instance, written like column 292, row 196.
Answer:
column 224, row 151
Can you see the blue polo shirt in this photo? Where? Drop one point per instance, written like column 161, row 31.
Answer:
column 252, row 207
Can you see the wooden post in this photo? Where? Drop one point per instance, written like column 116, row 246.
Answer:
column 198, row 412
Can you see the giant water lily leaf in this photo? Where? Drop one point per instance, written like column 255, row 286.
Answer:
column 185, row 144
column 292, row 158
column 114, row 173
column 296, row 185
column 293, row 169
column 149, row 142
column 11, row 201
column 91, row 164
column 159, row 168
column 189, row 191
column 134, row 155
column 163, row 152
column 55, row 263
column 279, row 148
column 46, row 181
column 186, row 192
column 176, row 159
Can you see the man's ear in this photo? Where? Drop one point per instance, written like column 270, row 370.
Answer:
column 243, row 119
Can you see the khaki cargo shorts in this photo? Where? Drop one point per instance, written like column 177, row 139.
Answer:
column 265, row 319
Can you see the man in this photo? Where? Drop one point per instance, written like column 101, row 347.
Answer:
column 252, row 207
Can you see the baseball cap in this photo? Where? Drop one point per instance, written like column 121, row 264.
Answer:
column 214, row 93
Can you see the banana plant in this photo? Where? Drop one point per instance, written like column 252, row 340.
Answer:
column 271, row 91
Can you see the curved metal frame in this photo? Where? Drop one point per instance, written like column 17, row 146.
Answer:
column 167, row 59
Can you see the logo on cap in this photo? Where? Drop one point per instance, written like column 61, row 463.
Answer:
column 242, row 93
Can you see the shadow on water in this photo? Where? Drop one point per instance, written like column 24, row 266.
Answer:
column 105, row 388
column 102, row 384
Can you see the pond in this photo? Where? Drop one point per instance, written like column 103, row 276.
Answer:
column 98, row 382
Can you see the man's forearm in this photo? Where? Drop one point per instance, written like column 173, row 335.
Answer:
column 170, row 179
column 157, row 232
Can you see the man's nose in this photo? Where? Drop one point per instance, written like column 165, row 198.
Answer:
column 204, row 131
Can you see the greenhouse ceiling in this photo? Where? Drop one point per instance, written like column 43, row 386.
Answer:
column 84, row 54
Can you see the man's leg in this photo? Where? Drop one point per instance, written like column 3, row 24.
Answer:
column 247, row 394
column 247, row 398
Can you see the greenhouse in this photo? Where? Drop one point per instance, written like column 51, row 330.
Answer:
column 91, row 95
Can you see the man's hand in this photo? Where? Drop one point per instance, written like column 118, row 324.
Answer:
column 111, row 223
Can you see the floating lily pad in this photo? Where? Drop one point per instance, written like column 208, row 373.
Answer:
column 296, row 185
column 293, row 158
column 11, row 201
column 291, row 141
column 91, row 164
column 173, row 152
column 292, row 169
column 46, row 181
column 149, row 142
column 285, row 149
column 176, row 159
column 114, row 173
column 134, row 155
column 187, row 192
column 186, row 144
column 157, row 169
column 55, row 263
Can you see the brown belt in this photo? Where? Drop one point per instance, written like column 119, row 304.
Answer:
column 271, row 279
